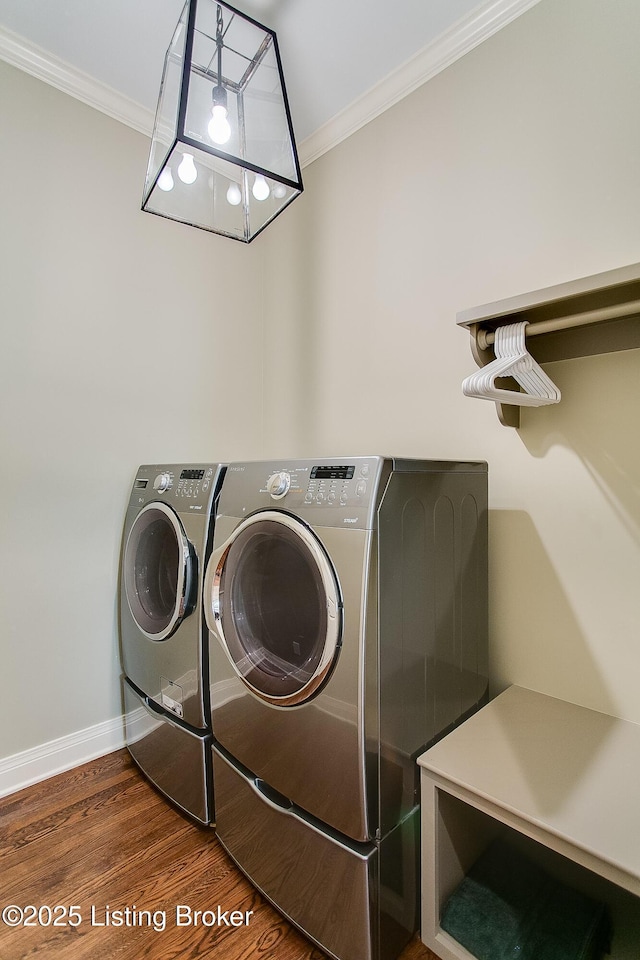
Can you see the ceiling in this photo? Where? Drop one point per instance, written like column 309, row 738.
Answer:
column 333, row 51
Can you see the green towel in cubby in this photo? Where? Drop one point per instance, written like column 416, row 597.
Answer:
column 508, row 907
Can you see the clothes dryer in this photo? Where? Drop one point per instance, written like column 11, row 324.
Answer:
column 347, row 611
column 166, row 542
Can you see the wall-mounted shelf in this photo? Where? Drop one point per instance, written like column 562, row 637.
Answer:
column 582, row 318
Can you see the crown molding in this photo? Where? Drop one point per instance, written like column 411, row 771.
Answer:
column 44, row 66
column 488, row 18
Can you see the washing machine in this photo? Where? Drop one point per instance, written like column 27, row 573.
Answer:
column 166, row 542
column 346, row 602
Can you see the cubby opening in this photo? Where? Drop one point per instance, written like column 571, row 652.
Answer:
column 463, row 833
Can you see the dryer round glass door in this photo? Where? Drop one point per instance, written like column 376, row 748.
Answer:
column 158, row 571
column 276, row 606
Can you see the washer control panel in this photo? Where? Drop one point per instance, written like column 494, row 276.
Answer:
column 193, row 482
column 163, row 482
column 188, row 485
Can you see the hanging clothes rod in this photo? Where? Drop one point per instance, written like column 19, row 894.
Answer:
column 613, row 296
column 617, row 311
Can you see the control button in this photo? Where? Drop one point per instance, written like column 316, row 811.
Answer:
column 320, row 497
column 331, row 498
column 364, row 470
column 361, row 488
column 308, row 497
column 278, row 485
column 162, row 482
column 343, row 498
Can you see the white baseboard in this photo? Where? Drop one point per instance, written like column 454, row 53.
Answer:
column 31, row 766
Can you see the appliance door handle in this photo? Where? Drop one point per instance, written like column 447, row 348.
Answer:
column 245, row 663
column 186, row 585
column 157, row 712
column 277, row 801
column 211, row 588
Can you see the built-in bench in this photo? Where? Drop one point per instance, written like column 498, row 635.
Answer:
column 560, row 781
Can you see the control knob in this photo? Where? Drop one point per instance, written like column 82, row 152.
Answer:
column 278, row 484
column 162, row 482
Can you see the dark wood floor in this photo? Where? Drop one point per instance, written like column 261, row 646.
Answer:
column 101, row 840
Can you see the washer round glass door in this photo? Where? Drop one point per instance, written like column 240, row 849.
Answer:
column 276, row 606
column 158, row 571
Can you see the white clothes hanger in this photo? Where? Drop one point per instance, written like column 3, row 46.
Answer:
column 527, row 372
column 512, row 360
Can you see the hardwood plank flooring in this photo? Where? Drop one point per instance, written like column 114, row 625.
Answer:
column 102, row 840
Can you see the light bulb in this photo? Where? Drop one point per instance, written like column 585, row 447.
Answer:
column 165, row 180
column 219, row 128
column 260, row 187
column 187, row 169
column 234, row 196
column 280, row 191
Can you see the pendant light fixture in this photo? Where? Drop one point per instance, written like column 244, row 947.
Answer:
column 223, row 157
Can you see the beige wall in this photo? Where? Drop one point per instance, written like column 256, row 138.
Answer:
column 514, row 169
column 121, row 337
column 124, row 334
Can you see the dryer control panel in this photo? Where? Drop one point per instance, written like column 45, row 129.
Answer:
column 341, row 484
column 326, row 493
column 323, row 484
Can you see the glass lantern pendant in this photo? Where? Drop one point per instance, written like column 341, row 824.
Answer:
column 223, row 156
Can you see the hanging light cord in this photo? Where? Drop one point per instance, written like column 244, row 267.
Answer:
column 219, row 93
column 219, row 42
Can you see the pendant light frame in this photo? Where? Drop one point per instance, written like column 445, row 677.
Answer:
column 262, row 144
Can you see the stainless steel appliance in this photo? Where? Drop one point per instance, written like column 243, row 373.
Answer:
column 347, row 609
column 166, row 542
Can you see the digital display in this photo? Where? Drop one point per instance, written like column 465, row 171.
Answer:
column 192, row 475
column 332, row 473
